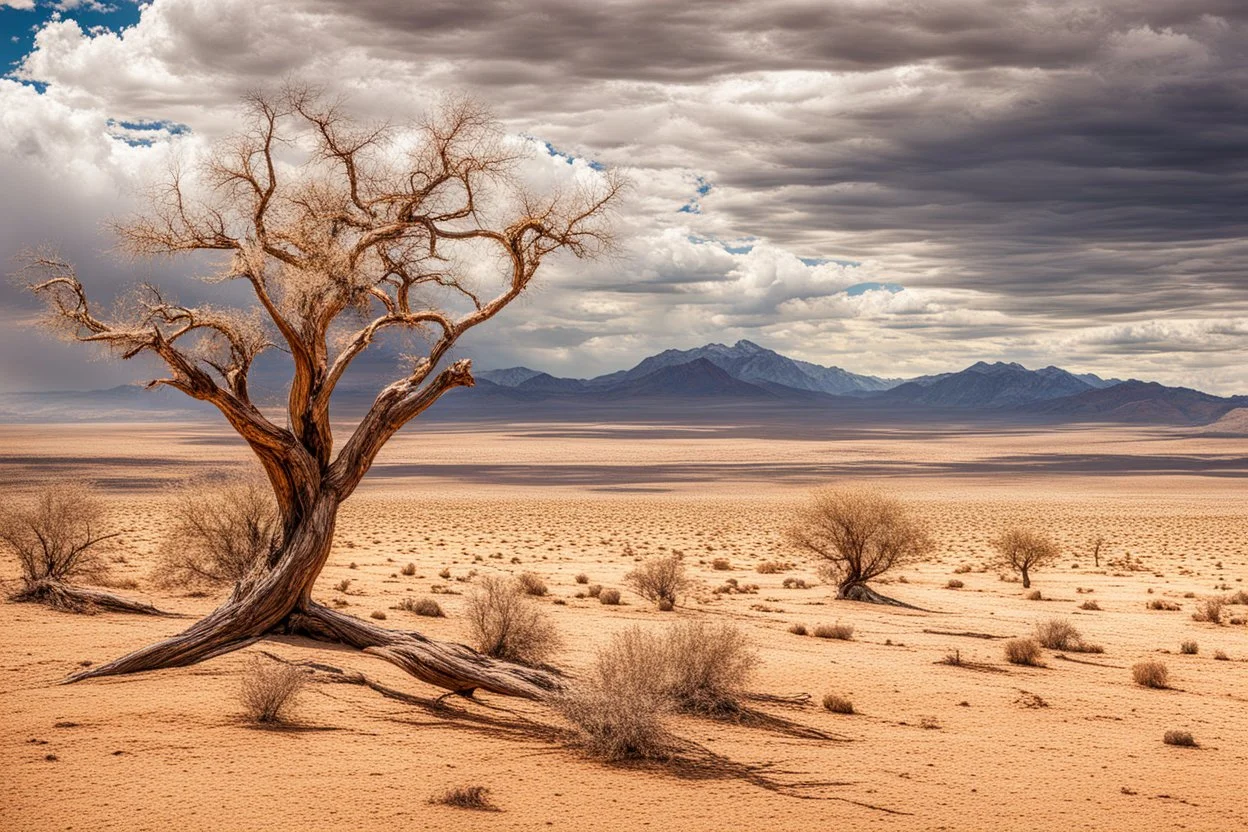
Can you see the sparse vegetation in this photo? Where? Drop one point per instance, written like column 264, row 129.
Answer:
column 837, row 704
column 467, row 797
column 608, row 597
column 772, row 567
column 1209, row 610
column 217, row 536
column 422, row 606
column 1183, row 739
column 1023, row 651
column 838, row 631
column 1023, row 550
column 1151, row 674
column 506, row 624
column 1159, row 604
column 269, row 690
column 582, row 578
column 1090, row 606
column 1059, row 634
column 860, row 535
column 409, row 570
column 661, row 578
column 797, row 629
column 721, row 564
column 531, row 584
column 954, row 583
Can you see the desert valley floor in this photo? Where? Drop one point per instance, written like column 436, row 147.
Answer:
column 1074, row 745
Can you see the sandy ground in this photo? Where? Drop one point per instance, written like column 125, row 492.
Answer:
column 932, row 747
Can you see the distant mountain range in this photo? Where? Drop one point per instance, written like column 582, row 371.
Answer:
column 705, row 381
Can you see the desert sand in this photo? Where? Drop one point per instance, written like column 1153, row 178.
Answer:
column 1075, row 745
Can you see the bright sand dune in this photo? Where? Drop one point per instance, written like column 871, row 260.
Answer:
column 933, row 747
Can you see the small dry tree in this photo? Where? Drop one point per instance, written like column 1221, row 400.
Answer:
column 269, row 689
column 60, row 535
column 218, row 537
column 660, row 579
column 1022, row 550
column 860, row 534
column 506, row 624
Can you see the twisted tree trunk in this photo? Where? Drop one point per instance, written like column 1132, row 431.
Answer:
column 278, row 600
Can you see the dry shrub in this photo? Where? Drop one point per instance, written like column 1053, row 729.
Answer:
column 409, row 570
column 1034, row 595
column 619, row 709
column 706, row 666
column 721, row 564
column 505, row 624
column 1221, row 656
column 954, row 583
column 1024, row 651
column 1189, row 648
column 593, row 590
column 219, row 536
column 839, row 631
column 772, row 567
column 1151, row 674
column 58, row 535
column 1090, row 606
column 795, row 583
column 659, row 579
column 837, row 704
column 582, row 578
column 1210, row 610
column 1059, row 634
column 269, row 690
column 467, row 797
column 531, row 584
column 1159, row 604
column 378, row 615
column 1240, row 597
column 1183, row 739
column 798, row 629
column 423, row 606
column 608, row 597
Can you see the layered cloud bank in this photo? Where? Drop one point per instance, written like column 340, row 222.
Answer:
column 896, row 188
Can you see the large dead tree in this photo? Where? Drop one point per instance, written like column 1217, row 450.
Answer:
column 341, row 234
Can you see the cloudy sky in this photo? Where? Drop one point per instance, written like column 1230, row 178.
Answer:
column 893, row 187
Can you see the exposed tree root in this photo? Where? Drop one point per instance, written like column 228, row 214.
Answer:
column 453, row 667
column 864, row 593
column 62, row 596
column 963, row 634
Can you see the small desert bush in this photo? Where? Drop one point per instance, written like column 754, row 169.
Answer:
column 706, row 666
column 1059, row 634
column 1024, row 651
column 659, row 579
column 1221, row 656
column 608, row 597
column 343, row 585
column 1189, row 648
column 409, row 570
column 1091, row 606
column 593, row 589
column 59, row 535
column 721, row 564
column 962, row 569
column 1240, row 597
column 422, row 606
column 798, row 629
column 1034, row 595
column 467, row 797
column 582, row 578
column 531, row 584
column 269, row 690
column 954, row 583
column 506, row 624
column 839, row 631
column 216, row 537
column 795, row 583
column 377, row 614
column 1159, row 604
column 772, row 567
column 1210, row 610
column 837, row 704
column 1151, row 674
column 1184, row 739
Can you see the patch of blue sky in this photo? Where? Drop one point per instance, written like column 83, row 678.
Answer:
column 862, row 288
column 18, row 26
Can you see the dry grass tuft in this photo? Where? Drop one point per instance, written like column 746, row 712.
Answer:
column 409, row 570
column 1159, row 604
column 1059, row 634
column 838, row 631
column 531, row 584
column 954, row 583
column 582, row 578
column 1189, row 648
column 1090, row 606
column 423, row 606
column 467, row 797
column 505, row 624
column 1183, row 739
column 797, row 629
column 608, row 597
column 837, row 704
column 721, row 564
column 772, row 567
column 269, row 690
column 1024, row 651
column 1151, row 674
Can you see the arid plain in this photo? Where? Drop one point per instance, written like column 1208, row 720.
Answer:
column 984, row 745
